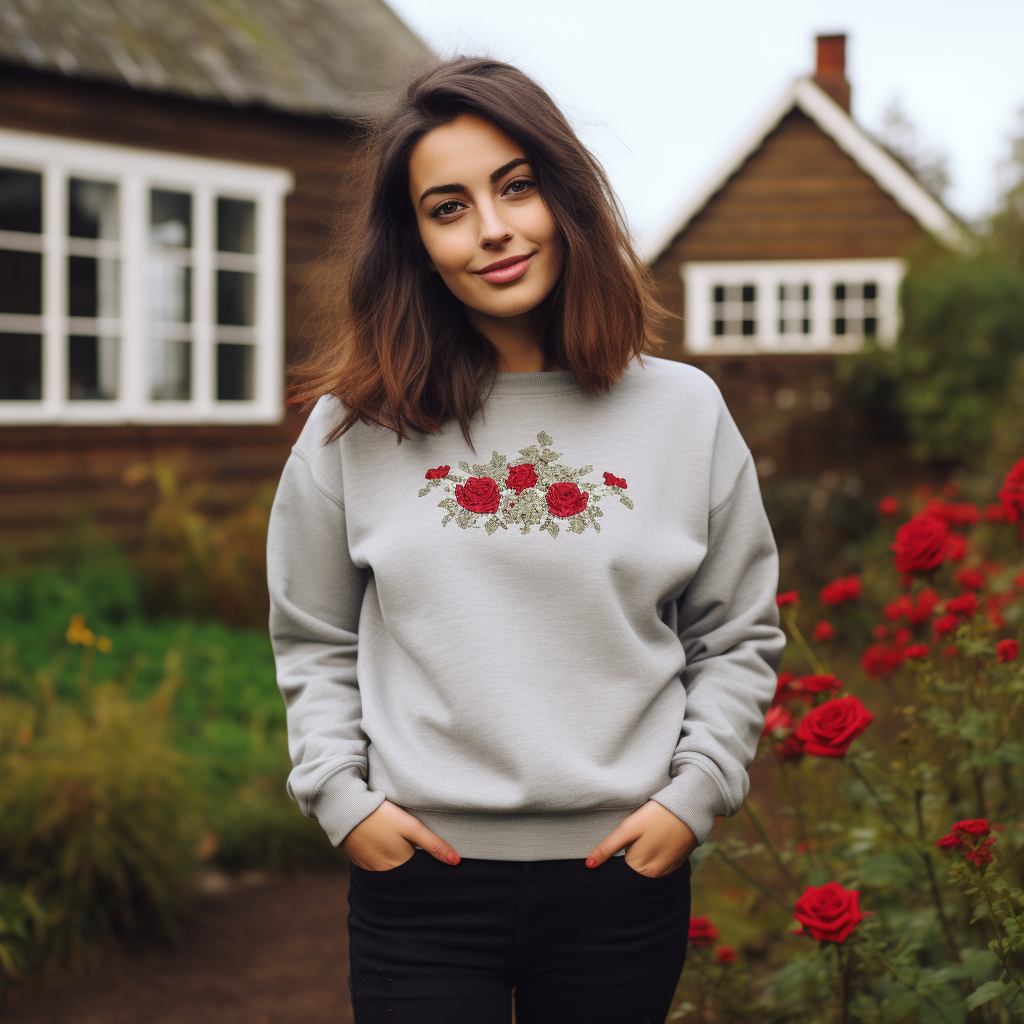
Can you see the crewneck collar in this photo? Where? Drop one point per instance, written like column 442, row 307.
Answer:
column 532, row 382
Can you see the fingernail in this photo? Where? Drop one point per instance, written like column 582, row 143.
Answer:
column 453, row 857
column 591, row 862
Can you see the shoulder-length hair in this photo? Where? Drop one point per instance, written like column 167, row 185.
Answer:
column 392, row 342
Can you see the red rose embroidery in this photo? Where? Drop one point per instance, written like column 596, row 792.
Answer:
column 480, row 494
column 438, row 474
column 521, row 477
column 921, row 544
column 566, row 499
column 829, row 913
column 614, row 481
column 829, row 729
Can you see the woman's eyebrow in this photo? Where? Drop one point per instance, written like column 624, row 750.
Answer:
column 456, row 187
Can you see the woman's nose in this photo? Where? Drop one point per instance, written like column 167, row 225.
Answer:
column 493, row 229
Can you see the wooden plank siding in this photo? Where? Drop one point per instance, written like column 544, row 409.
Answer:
column 798, row 196
column 50, row 475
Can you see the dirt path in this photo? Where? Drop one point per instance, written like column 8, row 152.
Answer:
column 269, row 953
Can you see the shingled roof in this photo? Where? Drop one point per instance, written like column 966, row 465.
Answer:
column 309, row 57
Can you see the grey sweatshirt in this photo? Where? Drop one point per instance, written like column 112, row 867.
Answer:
column 522, row 645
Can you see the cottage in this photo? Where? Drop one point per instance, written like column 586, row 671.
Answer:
column 793, row 253
column 167, row 172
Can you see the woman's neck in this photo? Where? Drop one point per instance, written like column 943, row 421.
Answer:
column 516, row 339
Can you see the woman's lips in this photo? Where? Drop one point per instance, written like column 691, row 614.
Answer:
column 509, row 272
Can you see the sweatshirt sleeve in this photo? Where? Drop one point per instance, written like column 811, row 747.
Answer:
column 728, row 623
column 316, row 594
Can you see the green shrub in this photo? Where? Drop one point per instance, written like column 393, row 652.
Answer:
column 98, row 825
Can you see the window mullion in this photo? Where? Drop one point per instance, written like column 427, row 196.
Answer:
column 269, row 385
column 204, row 313
column 54, row 292
column 135, row 354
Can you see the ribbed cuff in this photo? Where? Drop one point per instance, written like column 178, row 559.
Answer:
column 342, row 802
column 695, row 798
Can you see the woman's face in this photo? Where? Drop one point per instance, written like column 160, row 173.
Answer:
column 482, row 220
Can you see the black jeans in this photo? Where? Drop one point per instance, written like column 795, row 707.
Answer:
column 435, row 944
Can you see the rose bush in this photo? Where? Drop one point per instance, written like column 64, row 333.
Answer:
column 905, row 715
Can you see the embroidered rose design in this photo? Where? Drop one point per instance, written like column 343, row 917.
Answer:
column 480, row 494
column 566, row 500
column 536, row 490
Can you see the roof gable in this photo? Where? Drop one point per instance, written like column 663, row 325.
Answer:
column 312, row 57
column 873, row 159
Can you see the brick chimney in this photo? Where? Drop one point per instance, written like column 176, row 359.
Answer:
column 830, row 73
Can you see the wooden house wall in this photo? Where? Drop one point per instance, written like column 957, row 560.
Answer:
column 50, row 475
column 799, row 196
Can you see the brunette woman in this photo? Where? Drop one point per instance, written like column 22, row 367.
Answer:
column 522, row 582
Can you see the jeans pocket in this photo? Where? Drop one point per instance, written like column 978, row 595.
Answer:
column 387, row 872
column 683, row 868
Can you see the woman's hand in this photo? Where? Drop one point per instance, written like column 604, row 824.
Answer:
column 384, row 839
column 657, row 841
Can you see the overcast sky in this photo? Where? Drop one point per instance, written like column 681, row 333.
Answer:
column 661, row 90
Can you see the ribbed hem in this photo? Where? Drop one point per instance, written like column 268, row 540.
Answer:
column 554, row 836
column 532, row 382
column 342, row 802
column 694, row 797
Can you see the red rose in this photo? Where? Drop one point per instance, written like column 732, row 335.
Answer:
column 824, row 631
column 521, row 477
column 949, row 842
column 927, row 601
column 777, row 722
column 956, row 547
column 920, row 544
column 788, row 598
column 790, row 749
column 614, row 481
column 725, row 955
column 896, row 610
column 1006, row 650
column 881, row 631
column 888, row 507
column 916, row 651
column 970, row 579
column 902, row 637
column 829, row 912
column 1011, row 494
column 879, row 661
column 965, row 605
column 846, row 588
column 829, row 729
column 951, row 651
column 973, row 828
column 480, row 494
column 702, row 932
column 810, row 685
column 946, row 624
column 566, row 499
column 438, row 474
column 956, row 513
column 783, row 688
column 982, row 855
column 995, row 514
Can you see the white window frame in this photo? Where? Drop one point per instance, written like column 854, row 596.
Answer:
column 135, row 172
column 700, row 278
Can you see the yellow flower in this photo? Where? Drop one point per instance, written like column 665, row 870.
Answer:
column 103, row 644
column 76, row 629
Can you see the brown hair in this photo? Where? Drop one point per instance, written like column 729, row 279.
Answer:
column 392, row 342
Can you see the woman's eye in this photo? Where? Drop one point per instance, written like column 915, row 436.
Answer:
column 448, row 208
column 518, row 186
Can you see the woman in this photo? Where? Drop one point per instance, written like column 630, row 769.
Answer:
column 522, row 582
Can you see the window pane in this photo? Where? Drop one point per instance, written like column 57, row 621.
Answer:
column 92, row 209
column 92, row 286
column 170, row 218
column 235, row 373
column 170, row 292
column 236, row 293
column 21, row 201
column 170, row 370
column 21, row 367
column 21, row 282
column 92, row 367
column 236, row 225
